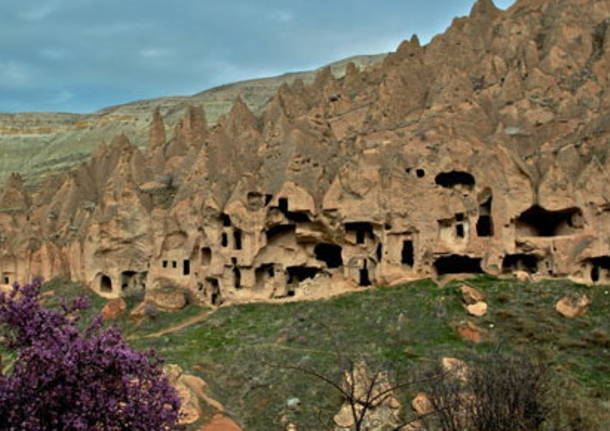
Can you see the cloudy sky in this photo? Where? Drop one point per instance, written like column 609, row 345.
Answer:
column 83, row 55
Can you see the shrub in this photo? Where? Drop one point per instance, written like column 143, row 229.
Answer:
column 65, row 378
column 498, row 393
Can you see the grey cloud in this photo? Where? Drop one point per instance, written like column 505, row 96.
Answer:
column 83, row 55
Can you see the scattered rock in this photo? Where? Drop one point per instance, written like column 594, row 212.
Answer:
column 190, row 409
column 138, row 313
column 522, row 276
column 573, row 306
column 167, row 300
column 113, row 309
column 422, row 404
column 471, row 295
column 221, row 423
column 478, row 309
column 293, row 403
column 470, row 331
column 457, row 367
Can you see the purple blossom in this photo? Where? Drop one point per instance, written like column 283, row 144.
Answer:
column 71, row 380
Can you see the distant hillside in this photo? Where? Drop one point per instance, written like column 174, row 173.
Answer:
column 40, row 144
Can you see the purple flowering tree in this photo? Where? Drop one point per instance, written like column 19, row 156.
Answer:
column 69, row 379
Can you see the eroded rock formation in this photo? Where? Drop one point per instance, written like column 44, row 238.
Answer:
column 484, row 151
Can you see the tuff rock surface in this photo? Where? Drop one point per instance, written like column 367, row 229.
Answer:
column 484, row 151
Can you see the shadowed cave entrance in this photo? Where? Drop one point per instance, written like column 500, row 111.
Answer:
column 600, row 269
column 280, row 230
column 455, row 178
column 456, row 264
column 206, row 256
column 406, row 254
column 485, row 224
column 127, row 279
column 105, row 284
column 296, row 274
column 520, row 262
column 263, row 273
column 362, row 230
column 538, row 221
column 330, row 254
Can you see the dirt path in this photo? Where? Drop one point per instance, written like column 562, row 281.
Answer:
column 185, row 324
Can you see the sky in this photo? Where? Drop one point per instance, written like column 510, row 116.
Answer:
column 84, row 55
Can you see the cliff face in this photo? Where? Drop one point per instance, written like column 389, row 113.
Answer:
column 484, row 151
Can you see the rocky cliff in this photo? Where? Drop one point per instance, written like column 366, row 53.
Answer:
column 483, row 151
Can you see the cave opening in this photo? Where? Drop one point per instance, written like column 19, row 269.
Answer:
column 206, row 256
column 364, row 280
column 264, row 272
column 485, row 225
column 456, row 264
column 105, row 284
column 164, row 264
column 237, row 239
column 214, row 290
column 459, row 231
column 420, row 173
column 330, row 254
column 279, row 230
column 226, row 220
column 379, row 252
column 520, row 262
column 186, row 267
column 282, row 204
column 224, row 240
column 296, row 274
column 455, row 178
column 599, row 264
column 127, row 279
column 297, row 216
column 537, row 221
column 255, row 200
column 237, row 277
column 361, row 229
column 407, row 257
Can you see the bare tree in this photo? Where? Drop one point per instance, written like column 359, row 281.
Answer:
column 495, row 393
column 364, row 388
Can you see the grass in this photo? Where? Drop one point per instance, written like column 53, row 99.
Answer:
column 240, row 350
column 400, row 328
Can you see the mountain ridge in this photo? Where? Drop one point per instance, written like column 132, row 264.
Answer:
column 41, row 144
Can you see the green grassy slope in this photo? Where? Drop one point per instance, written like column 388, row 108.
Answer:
column 404, row 328
column 239, row 349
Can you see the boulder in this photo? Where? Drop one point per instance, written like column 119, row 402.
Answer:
column 221, row 423
column 573, row 306
column 167, row 300
column 422, row 404
column 456, row 367
column 471, row 295
column 470, row 331
column 113, row 309
column 478, row 309
column 522, row 276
